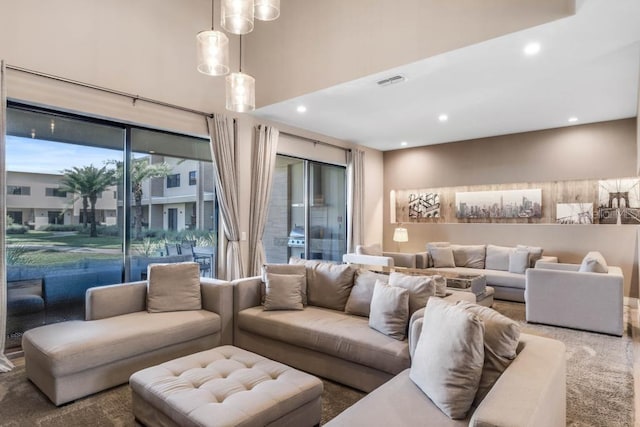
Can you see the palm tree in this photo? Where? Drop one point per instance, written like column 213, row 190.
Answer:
column 141, row 170
column 88, row 182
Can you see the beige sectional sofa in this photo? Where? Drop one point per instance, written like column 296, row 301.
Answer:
column 73, row 359
column 324, row 338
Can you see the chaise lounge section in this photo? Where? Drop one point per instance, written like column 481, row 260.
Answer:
column 73, row 359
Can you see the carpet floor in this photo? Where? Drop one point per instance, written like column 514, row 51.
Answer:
column 599, row 387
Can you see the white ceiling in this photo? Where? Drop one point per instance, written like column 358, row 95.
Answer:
column 588, row 67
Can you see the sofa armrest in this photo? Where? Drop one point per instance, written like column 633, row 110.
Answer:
column 217, row 297
column 247, row 293
column 423, row 260
column 115, row 300
column 531, row 391
column 383, row 261
column 402, row 259
column 546, row 259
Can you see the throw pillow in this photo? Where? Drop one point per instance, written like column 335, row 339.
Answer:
column 328, row 284
column 284, row 292
column 471, row 256
column 594, row 262
column 440, row 285
column 173, row 287
column 447, row 363
column 501, row 337
column 442, row 257
column 535, row 253
column 518, row 261
column 286, row 269
column 497, row 257
column 374, row 250
column 420, row 289
column 434, row 245
column 359, row 302
column 389, row 310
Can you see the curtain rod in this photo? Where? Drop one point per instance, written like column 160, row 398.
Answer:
column 111, row 91
column 315, row 141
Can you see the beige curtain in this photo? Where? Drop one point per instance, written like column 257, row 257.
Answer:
column 263, row 162
column 224, row 165
column 5, row 364
column 355, row 199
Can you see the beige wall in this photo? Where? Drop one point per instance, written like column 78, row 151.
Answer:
column 317, row 44
column 600, row 150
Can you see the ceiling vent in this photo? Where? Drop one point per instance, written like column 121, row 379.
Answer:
column 399, row 78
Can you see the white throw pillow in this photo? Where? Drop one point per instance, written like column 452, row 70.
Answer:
column 535, row 253
column 447, row 363
column 594, row 262
column 471, row 256
column 374, row 250
column 173, row 287
column 389, row 310
column 498, row 257
column 518, row 261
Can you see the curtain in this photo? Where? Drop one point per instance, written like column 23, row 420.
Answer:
column 224, row 167
column 355, row 200
column 5, row 364
column 263, row 162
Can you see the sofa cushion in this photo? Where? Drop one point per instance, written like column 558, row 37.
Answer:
column 283, row 292
column 518, row 261
column 442, row 256
column 330, row 332
column 501, row 337
column 74, row 346
column 535, row 254
column 286, row 269
column 173, row 287
column 389, row 310
column 594, row 262
column 447, row 364
column 494, row 277
column 359, row 302
column 420, row 288
column 471, row 256
column 498, row 257
column 375, row 249
column 328, row 284
column 431, row 245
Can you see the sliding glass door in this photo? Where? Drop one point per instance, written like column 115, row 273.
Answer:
column 307, row 211
column 70, row 225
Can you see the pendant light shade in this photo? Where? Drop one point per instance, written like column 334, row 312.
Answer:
column 213, row 53
column 237, row 16
column 240, row 92
column 267, row 10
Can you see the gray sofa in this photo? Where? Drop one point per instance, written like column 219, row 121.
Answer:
column 330, row 343
column 73, row 359
column 492, row 261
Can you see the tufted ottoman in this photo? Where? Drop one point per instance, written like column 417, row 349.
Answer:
column 225, row 386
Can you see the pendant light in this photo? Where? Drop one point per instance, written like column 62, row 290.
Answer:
column 213, row 50
column 240, row 90
column 237, row 16
column 267, row 10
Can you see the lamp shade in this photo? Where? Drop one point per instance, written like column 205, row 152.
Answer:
column 213, row 53
column 240, row 93
column 400, row 235
column 266, row 10
column 237, row 16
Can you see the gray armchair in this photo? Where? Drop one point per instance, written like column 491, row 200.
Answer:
column 560, row 295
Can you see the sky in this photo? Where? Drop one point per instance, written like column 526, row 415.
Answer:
column 40, row 156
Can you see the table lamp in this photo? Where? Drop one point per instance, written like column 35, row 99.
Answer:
column 400, row 235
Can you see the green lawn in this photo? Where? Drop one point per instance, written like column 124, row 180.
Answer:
column 48, row 238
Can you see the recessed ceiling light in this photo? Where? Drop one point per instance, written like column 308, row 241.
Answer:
column 301, row 109
column 443, row 117
column 573, row 119
column 532, row 48
column 404, row 143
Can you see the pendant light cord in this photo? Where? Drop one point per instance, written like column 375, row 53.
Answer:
column 240, row 52
column 212, row 14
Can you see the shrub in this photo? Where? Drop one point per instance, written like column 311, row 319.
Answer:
column 62, row 227
column 108, row 230
column 17, row 229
